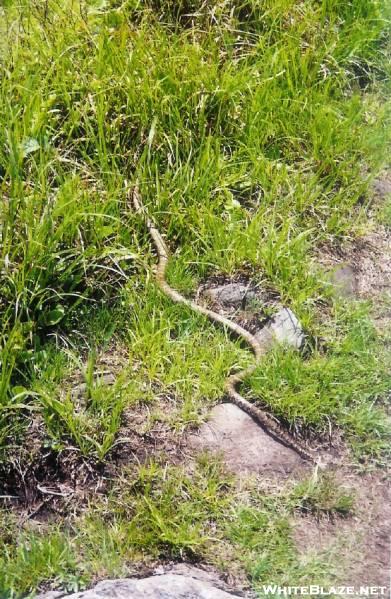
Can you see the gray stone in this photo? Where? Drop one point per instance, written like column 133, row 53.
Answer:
column 243, row 445
column 265, row 337
column 232, row 294
column 166, row 586
column 344, row 281
column 284, row 327
column 382, row 185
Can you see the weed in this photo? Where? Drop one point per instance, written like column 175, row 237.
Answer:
column 37, row 557
column 249, row 126
column 339, row 386
column 263, row 538
column 384, row 214
column 158, row 511
column 321, row 496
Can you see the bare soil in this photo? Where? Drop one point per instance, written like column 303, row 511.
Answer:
column 361, row 542
column 363, row 266
column 360, row 268
column 364, row 263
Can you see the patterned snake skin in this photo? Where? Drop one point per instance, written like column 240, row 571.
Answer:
column 232, row 383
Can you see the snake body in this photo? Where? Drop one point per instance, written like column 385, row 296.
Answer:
column 233, row 381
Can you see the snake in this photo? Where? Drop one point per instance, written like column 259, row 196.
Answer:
column 233, row 382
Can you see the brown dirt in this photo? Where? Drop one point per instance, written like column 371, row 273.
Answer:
column 381, row 188
column 41, row 482
column 360, row 543
column 50, row 482
column 360, row 268
column 366, row 261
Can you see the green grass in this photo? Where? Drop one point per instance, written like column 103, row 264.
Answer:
column 248, row 132
column 255, row 130
column 164, row 511
column 384, row 212
column 321, row 496
column 343, row 386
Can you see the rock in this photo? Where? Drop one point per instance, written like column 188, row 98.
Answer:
column 265, row 337
column 105, row 378
column 166, row 586
column 232, row 294
column 344, row 281
column 244, row 446
column 284, row 327
column 204, row 574
column 382, row 185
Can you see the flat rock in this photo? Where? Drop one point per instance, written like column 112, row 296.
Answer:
column 284, row 327
column 231, row 294
column 343, row 279
column 244, row 446
column 382, row 185
column 166, row 586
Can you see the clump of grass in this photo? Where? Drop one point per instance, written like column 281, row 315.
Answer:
column 158, row 511
column 263, row 540
column 384, row 214
column 249, row 126
column 166, row 511
column 340, row 385
column 35, row 558
column 93, row 429
column 321, row 495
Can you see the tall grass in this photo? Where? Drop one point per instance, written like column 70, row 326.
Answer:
column 253, row 127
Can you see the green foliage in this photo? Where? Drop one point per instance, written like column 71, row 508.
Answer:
column 155, row 510
column 249, row 126
column 244, row 122
column 321, row 496
column 160, row 511
column 340, row 385
column 169, row 512
column 263, row 538
column 383, row 212
column 268, row 541
column 34, row 558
